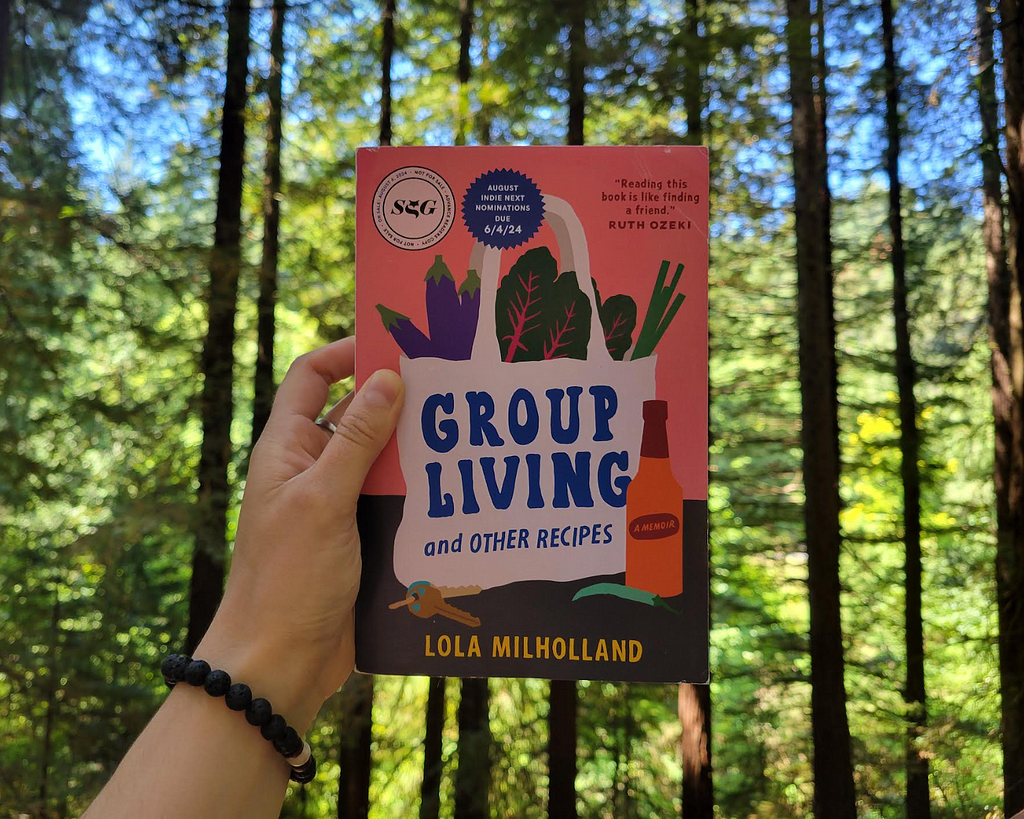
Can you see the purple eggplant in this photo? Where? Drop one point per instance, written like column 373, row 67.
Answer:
column 465, row 333
column 443, row 309
column 413, row 343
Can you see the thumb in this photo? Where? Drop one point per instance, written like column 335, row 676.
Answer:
column 362, row 432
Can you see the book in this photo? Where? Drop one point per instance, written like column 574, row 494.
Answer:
column 542, row 508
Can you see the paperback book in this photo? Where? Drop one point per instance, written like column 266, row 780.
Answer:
column 542, row 508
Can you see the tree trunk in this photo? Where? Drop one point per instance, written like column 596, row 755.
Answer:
column 918, row 806
column 1010, row 554
column 695, row 700
column 833, row 770
column 577, row 70
column 354, row 752
column 463, row 121
column 387, row 52
column 218, row 361
column 562, row 750
column 695, row 718
column 357, row 735
column 5, row 50
column 1000, row 288
column 430, row 790
column 485, row 115
column 263, row 387
column 693, row 74
column 562, row 699
column 473, row 777
column 825, row 198
column 51, row 707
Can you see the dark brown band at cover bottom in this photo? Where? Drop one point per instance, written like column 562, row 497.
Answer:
column 532, row 628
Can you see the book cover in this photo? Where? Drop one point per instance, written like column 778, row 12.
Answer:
column 542, row 508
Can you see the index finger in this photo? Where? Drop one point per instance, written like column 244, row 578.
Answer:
column 305, row 388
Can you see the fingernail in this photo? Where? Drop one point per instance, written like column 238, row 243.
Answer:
column 383, row 388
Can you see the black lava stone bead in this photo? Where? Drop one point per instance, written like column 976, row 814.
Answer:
column 196, row 672
column 258, row 712
column 289, row 744
column 238, row 697
column 217, row 683
column 174, row 667
column 274, row 728
column 304, row 773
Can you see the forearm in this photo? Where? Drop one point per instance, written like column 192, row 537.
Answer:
column 198, row 757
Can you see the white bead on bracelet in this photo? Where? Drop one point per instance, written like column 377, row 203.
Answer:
column 302, row 757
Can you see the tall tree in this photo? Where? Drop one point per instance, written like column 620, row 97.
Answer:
column 357, row 727
column 430, row 788
column 694, row 701
column 1000, row 288
column 1010, row 557
column 577, row 72
column 833, row 769
column 825, row 197
column 5, row 50
column 356, row 737
column 218, row 360
column 918, row 804
column 263, row 387
column 473, row 777
column 563, row 700
column 693, row 73
column 695, row 719
column 387, row 53
column 463, row 121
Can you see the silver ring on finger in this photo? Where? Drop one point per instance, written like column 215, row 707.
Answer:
column 326, row 426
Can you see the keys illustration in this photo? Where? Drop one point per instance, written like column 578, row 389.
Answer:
column 424, row 600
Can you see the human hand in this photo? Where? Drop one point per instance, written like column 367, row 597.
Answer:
column 285, row 625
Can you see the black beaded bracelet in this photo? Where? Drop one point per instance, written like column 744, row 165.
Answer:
column 258, row 712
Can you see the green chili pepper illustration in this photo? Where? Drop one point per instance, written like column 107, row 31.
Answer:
column 626, row 593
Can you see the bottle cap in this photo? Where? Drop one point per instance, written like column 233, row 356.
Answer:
column 655, row 410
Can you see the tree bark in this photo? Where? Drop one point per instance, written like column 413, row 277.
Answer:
column 263, row 387
column 999, row 281
column 562, row 750
column 693, row 74
column 354, row 752
column 433, row 763
column 577, row 71
column 1010, row 553
column 387, row 53
column 51, row 706
column 833, row 770
column 463, row 121
column 918, row 804
column 562, row 699
column 825, row 198
column 473, row 777
column 218, row 360
column 694, row 701
column 5, row 50
column 695, row 718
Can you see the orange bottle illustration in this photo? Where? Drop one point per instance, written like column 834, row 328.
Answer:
column 654, row 513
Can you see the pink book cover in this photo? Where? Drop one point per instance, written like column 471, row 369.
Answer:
column 542, row 508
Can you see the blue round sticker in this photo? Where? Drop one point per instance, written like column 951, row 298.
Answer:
column 503, row 208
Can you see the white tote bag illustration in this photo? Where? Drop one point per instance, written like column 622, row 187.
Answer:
column 528, row 526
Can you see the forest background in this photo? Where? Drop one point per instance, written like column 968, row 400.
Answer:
column 177, row 223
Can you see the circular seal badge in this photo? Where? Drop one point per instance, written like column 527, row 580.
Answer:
column 413, row 208
column 503, row 208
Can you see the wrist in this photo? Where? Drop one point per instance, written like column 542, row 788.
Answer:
column 275, row 672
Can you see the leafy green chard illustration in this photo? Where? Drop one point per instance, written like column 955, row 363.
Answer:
column 618, row 320
column 539, row 314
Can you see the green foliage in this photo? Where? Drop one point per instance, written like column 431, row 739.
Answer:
column 107, row 162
